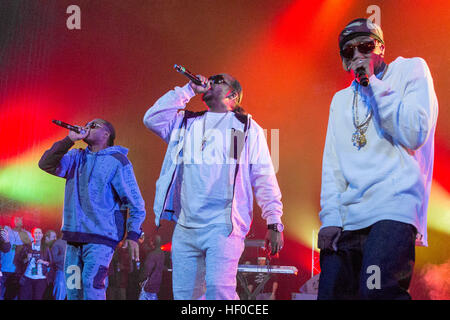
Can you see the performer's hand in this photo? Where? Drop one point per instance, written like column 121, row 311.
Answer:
column 367, row 64
column 133, row 249
column 78, row 136
column 4, row 235
column 200, row 89
column 328, row 238
column 274, row 241
column 42, row 262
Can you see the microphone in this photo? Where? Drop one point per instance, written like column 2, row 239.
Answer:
column 68, row 126
column 189, row 75
column 362, row 77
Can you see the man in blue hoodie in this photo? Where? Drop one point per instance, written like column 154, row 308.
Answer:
column 100, row 190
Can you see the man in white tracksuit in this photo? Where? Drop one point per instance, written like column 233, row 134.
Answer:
column 377, row 171
column 213, row 161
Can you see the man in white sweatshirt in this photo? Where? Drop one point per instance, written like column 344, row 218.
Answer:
column 377, row 171
column 214, row 160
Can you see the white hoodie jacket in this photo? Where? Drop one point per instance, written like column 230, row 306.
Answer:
column 254, row 168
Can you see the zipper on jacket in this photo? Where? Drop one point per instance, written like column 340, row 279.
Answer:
column 183, row 123
column 246, row 128
column 165, row 198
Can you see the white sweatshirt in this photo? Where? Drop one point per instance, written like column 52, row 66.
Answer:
column 390, row 177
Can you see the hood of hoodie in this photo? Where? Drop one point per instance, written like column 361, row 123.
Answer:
column 107, row 151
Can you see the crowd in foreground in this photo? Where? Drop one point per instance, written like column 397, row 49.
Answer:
column 32, row 267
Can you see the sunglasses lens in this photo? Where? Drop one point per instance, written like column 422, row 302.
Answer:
column 217, row 79
column 366, row 47
column 348, row 52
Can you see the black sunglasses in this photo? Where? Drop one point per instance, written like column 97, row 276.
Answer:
column 363, row 47
column 93, row 125
column 218, row 79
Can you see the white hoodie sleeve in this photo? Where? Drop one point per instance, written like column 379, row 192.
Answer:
column 333, row 181
column 408, row 116
column 263, row 178
column 161, row 117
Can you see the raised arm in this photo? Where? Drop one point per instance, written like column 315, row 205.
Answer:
column 408, row 117
column 161, row 117
column 57, row 160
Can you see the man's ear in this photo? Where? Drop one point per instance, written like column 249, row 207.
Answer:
column 233, row 95
column 382, row 48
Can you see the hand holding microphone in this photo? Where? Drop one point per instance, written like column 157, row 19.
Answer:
column 363, row 69
column 75, row 132
column 199, row 84
column 200, row 88
column 78, row 136
column 362, row 77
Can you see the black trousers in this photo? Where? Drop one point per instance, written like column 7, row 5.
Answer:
column 10, row 285
column 372, row 263
column 32, row 289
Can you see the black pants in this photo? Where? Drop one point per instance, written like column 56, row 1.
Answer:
column 372, row 263
column 32, row 289
column 10, row 283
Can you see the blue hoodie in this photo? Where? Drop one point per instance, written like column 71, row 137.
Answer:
column 100, row 189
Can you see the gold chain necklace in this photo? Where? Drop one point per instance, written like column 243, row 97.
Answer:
column 359, row 136
column 205, row 138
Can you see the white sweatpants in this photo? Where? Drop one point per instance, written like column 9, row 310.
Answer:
column 205, row 262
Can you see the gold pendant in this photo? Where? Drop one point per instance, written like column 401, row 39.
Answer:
column 359, row 139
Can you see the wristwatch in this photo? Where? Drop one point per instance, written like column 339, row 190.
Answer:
column 277, row 227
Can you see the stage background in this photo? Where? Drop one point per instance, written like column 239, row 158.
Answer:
column 285, row 55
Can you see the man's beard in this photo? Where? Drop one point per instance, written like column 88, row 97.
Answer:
column 86, row 140
column 207, row 99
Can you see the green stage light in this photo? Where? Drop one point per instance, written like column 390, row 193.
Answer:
column 24, row 182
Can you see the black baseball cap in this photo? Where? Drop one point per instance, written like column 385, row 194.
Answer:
column 360, row 27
